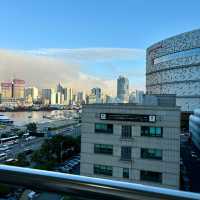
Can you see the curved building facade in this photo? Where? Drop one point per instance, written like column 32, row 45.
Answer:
column 173, row 67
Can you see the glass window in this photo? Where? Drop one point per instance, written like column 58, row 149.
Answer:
column 126, row 131
column 103, row 170
column 151, row 176
column 103, row 128
column 151, row 153
column 103, row 149
column 151, row 131
column 181, row 54
column 125, row 172
column 126, row 153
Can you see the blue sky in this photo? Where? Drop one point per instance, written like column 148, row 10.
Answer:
column 32, row 25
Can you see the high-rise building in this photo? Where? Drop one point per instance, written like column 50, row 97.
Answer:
column 132, row 97
column 139, row 96
column 33, row 92
column 68, row 95
column 134, row 143
column 18, row 89
column 60, row 88
column 6, row 90
column 80, row 97
column 122, row 89
column 97, row 93
column 58, row 98
column 46, row 96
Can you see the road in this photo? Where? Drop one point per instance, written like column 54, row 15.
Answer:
column 191, row 164
column 21, row 146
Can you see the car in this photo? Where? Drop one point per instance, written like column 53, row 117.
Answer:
column 72, row 162
column 194, row 156
column 70, row 165
column 64, row 169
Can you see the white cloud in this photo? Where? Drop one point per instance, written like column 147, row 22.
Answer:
column 46, row 67
column 90, row 54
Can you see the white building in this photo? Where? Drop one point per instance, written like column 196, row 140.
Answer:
column 133, row 143
column 123, row 89
column 68, row 95
column 139, row 96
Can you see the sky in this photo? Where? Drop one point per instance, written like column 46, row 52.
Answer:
column 86, row 43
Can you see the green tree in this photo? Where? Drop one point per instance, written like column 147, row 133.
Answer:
column 32, row 127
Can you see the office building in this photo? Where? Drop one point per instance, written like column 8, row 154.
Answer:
column 139, row 96
column 97, row 93
column 134, row 143
column 60, row 88
column 91, row 99
column 173, row 67
column 194, row 127
column 68, row 95
column 122, row 89
column 18, row 89
column 80, row 97
column 47, row 96
column 132, row 97
column 6, row 90
column 32, row 92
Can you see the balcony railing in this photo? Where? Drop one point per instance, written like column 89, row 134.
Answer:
column 87, row 187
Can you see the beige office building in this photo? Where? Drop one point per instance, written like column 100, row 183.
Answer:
column 134, row 143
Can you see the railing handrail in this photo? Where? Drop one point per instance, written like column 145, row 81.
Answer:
column 88, row 187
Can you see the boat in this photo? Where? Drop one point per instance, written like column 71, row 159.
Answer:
column 5, row 120
column 29, row 116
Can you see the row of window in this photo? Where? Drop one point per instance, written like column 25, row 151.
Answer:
column 126, row 131
column 146, row 153
column 144, row 175
column 181, row 54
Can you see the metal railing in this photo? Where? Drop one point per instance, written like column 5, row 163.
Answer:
column 87, row 187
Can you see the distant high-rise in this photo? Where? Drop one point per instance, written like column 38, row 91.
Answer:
column 97, row 92
column 68, row 95
column 123, row 89
column 18, row 88
column 46, row 96
column 32, row 92
column 60, row 88
column 80, row 97
column 6, row 89
column 139, row 96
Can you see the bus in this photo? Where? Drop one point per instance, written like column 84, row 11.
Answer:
column 11, row 140
column 3, row 156
column 28, row 151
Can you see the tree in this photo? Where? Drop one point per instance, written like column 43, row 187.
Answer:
column 32, row 127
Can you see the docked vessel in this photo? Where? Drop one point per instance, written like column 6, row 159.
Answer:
column 5, row 120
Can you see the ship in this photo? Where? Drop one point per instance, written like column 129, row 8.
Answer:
column 5, row 120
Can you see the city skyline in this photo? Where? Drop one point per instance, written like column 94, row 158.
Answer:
column 82, row 54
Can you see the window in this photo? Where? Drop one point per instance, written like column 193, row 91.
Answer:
column 125, row 172
column 103, row 128
column 126, row 131
column 151, row 131
column 103, row 170
column 103, row 149
column 181, row 54
column 151, row 153
column 151, row 176
column 125, row 153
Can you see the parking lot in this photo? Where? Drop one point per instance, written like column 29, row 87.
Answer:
column 71, row 166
